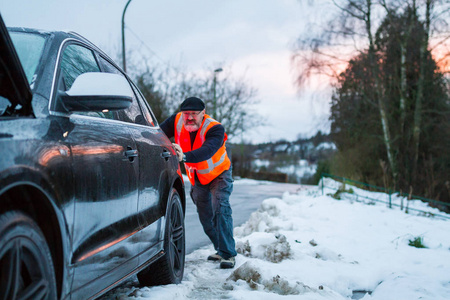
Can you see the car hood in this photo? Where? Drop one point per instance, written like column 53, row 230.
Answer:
column 13, row 82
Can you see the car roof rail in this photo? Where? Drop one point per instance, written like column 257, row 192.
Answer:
column 82, row 38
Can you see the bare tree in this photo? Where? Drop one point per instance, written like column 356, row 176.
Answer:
column 352, row 32
column 165, row 87
column 234, row 98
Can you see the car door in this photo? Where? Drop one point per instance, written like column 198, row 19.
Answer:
column 155, row 165
column 105, row 170
column 154, row 152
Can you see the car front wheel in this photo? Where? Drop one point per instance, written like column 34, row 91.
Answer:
column 26, row 267
column 170, row 267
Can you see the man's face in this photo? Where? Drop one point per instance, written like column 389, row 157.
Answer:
column 192, row 119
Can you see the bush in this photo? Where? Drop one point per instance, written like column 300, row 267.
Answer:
column 323, row 166
column 417, row 242
column 341, row 190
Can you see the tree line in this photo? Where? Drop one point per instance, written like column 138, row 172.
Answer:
column 390, row 108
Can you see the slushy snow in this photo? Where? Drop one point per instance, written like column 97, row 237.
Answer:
column 312, row 246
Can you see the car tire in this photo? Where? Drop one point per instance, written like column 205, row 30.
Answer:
column 26, row 266
column 169, row 268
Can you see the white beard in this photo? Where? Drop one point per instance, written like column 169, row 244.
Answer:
column 191, row 127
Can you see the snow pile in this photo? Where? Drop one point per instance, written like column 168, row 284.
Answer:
column 258, row 163
column 326, row 146
column 353, row 193
column 309, row 246
column 300, row 170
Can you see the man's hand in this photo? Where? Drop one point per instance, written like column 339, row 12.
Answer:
column 178, row 151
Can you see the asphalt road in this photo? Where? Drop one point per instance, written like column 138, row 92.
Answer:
column 244, row 200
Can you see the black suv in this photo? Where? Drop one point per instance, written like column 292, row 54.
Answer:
column 91, row 190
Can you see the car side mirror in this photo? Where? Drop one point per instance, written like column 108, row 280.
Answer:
column 95, row 91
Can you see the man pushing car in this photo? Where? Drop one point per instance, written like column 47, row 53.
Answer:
column 200, row 144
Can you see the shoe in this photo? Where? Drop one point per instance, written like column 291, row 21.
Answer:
column 215, row 257
column 227, row 263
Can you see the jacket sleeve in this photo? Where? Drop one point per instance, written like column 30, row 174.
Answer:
column 213, row 141
column 168, row 126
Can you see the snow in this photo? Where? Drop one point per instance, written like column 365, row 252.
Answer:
column 97, row 84
column 281, row 148
column 258, row 163
column 326, row 146
column 312, row 246
column 300, row 170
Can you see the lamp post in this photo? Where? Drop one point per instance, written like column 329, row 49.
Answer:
column 124, row 63
column 214, row 90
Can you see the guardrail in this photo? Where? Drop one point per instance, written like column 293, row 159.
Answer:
column 403, row 196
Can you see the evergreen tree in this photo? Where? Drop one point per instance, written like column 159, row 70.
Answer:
column 356, row 127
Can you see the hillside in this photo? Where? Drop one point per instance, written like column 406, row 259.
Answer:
column 294, row 162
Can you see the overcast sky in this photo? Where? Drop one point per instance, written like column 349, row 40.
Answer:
column 253, row 37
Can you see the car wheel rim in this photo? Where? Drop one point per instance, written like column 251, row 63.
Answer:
column 176, row 238
column 23, row 274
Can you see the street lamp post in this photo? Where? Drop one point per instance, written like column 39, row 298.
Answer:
column 124, row 63
column 214, row 91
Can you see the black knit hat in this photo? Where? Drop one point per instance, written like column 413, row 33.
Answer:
column 192, row 103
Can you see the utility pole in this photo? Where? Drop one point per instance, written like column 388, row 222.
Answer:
column 214, row 90
column 124, row 63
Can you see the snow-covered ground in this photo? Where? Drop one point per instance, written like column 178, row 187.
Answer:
column 299, row 170
column 311, row 246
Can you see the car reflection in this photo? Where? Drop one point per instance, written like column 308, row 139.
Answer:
column 49, row 154
column 106, row 246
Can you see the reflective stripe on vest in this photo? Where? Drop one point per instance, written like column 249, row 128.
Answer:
column 212, row 165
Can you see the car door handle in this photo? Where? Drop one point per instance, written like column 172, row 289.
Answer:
column 166, row 154
column 131, row 154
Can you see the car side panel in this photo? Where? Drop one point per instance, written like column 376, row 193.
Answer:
column 35, row 154
column 106, row 192
column 155, row 153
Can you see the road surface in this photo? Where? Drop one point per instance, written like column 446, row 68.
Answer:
column 245, row 199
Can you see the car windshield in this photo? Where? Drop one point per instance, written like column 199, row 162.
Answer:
column 29, row 47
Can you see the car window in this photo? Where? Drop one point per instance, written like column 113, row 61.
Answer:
column 133, row 114
column 145, row 107
column 29, row 47
column 75, row 61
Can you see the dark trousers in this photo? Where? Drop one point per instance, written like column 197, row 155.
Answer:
column 214, row 212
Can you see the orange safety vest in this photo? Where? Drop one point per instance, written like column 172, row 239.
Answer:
column 211, row 168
